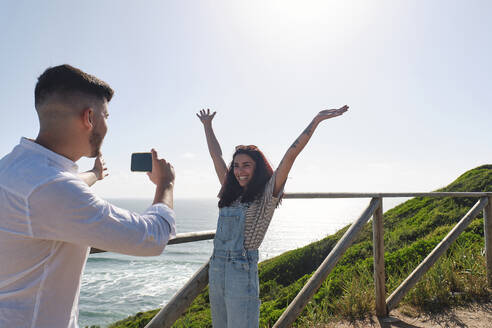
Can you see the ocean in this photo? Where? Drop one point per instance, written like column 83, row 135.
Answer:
column 116, row 286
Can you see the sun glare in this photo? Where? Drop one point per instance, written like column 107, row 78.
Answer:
column 290, row 22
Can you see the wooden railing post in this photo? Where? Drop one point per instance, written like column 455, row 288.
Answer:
column 312, row 285
column 487, row 222
column 378, row 253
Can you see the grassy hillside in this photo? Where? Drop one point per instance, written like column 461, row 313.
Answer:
column 412, row 230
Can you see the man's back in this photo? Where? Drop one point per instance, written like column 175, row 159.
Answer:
column 36, row 275
column 48, row 220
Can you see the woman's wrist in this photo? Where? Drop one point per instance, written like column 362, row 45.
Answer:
column 313, row 125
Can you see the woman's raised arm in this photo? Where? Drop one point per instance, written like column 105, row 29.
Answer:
column 298, row 145
column 213, row 145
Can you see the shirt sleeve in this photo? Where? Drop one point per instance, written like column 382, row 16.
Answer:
column 269, row 188
column 65, row 209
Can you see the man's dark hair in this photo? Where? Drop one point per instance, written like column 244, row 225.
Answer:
column 66, row 79
column 232, row 190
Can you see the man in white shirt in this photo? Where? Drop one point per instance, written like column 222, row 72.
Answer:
column 49, row 217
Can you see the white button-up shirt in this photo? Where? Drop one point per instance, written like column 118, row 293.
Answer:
column 48, row 220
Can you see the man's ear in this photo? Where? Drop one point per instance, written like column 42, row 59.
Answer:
column 88, row 118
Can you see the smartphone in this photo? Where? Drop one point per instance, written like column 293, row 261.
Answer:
column 141, row 162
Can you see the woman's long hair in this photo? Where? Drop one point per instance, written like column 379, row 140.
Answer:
column 231, row 190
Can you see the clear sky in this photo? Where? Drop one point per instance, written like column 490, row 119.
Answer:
column 416, row 74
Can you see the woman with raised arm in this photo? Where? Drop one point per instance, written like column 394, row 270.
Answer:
column 250, row 192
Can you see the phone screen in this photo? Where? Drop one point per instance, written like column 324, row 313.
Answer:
column 141, row 162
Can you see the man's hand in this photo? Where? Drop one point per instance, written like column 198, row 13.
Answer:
column 100, row 169
column 98, row 172
column 162, row 176
column 162, row 172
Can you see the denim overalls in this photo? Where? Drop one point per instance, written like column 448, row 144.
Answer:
column 233, row 274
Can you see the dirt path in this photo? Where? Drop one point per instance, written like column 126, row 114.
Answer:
column 474, row 316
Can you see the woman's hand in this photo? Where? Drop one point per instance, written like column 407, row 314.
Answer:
column 205, row 116
column 330, row 113
column 213, row 144
column 290, row 156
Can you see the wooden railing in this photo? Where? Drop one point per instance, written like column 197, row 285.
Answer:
column 185, row 296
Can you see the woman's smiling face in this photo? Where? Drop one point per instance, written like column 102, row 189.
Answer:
column 244, row 169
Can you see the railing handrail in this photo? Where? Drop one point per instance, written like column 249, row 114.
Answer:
column 180, row 238
column 189, row 237
column 209, row 234
column 454, row 194
column 168, row 315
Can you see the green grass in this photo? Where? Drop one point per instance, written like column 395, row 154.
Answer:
column 412, row 230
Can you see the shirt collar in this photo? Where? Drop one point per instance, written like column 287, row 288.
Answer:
column 62, row 161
